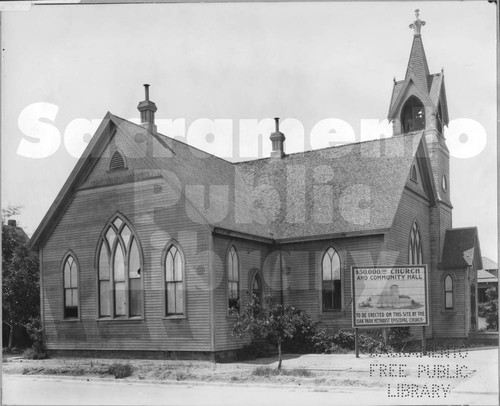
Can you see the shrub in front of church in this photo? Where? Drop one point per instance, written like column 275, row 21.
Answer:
column 344, row 341
column 120, row 371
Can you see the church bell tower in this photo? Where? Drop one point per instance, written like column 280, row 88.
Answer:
column 418, row 104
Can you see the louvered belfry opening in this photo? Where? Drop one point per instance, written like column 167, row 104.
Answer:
column 117, row 162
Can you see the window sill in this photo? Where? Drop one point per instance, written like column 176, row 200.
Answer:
column 120, row 319
column 175, row 317
column 71, row 320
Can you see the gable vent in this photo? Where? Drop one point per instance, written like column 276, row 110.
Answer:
column 413, row 175
column 117, row 162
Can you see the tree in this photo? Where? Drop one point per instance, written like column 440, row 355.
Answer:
column 20, row 286
column 274, row 322
column 491, row 309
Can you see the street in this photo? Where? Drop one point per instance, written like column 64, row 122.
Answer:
column 29, row 390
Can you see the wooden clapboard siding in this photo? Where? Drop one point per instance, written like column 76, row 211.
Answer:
column 301, row 264
column 452, row 323
column 252, row 256
column 156, row 224
column 414, row 205
column 302, row 286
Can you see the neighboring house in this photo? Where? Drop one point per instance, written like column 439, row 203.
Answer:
column 486, row 278
column 151, row 242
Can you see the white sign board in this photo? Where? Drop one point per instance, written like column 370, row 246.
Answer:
column 390, row 296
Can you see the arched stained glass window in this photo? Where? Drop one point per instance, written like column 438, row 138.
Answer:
column 119, row 273
column 174, row 282
column 233, row 280
column 415, row 256
column 70, row 277
column 331, row 280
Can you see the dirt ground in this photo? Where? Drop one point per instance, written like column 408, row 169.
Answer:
column 201, row 371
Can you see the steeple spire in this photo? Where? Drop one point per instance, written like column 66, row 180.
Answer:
column 418, row 62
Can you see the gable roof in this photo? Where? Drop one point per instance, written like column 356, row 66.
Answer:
column 484, row 276
column 461, row 248
column 354, row 188
column 489, row 264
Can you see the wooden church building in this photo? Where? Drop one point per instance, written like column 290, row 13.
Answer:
column 151, row 242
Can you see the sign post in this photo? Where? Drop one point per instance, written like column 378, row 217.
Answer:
column 390, row 296
column 356, row 342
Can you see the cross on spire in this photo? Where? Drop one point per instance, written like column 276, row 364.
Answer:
column 417, row 24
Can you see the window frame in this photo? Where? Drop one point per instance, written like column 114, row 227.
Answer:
column 66, row 256
column 229, row 310
column 415, row 230
column 445, row 291
column 341, row 280
column 166, row 250
column 257, row 277
column 111, row 253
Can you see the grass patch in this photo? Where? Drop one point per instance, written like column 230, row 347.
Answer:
column 266, row 372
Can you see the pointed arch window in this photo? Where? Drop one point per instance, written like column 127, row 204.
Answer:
column 448, row 292
column 331, row 280
column 174, row 282
column 257, row 287
column 233, row 280
column 415, row 256
column 70, row 283
column 413, row 115
column 119, row 272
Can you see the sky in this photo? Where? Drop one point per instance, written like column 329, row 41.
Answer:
column 218, row 68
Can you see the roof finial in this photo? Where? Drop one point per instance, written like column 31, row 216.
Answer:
column 417, row 24
column 146, row 89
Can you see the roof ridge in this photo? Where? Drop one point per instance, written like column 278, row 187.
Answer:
column 173, row 139
column 414, row 133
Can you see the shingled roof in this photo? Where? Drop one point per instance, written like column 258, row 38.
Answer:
column 345, row 189
column 354, row 188
column 342, row 189
column 461, row 248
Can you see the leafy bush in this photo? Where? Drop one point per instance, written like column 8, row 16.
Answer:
column 399, row 337
column 31, row 353
column 120, row 370
column 303, row 340
column 344, row 341
column 35, row 331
